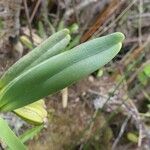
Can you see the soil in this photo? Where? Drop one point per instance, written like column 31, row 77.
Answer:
column 69, row 128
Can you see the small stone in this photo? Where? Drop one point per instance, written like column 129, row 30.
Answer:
column 91, row 78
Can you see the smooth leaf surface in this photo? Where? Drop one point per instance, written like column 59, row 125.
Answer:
column 60, row 71
column 58, row 48
column 32, row 56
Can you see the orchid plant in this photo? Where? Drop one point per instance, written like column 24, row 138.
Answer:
column 45, row 70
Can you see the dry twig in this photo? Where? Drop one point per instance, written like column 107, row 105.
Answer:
column 123, row 127
column 112, row 7
column 28, row 18
column 35, row 10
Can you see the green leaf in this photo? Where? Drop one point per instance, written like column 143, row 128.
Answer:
column 1, row 24
column 144, row 75
column 132, row 137
column 10, row 139
column 25, row 40
column 74, row 42
column 143, row 78
column 29, row 134
column 100, row 73
column 21, row 65
column 59, row 71
column 58, row 48
column 147, row 70
column 41, row 30
column 74, row 28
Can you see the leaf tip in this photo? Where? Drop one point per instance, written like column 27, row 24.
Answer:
column 121, row 36
column 66, row 31
column 68, row 37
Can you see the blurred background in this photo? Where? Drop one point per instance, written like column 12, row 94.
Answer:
column 110, row 109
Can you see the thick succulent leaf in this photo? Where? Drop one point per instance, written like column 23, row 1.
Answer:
column 60, row 71
column 34, row 113
column 32, row 56
column 58, row 48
